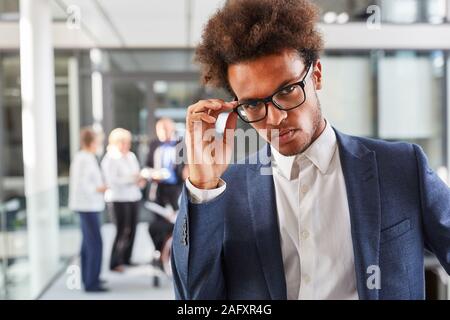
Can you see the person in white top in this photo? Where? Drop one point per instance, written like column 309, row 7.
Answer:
column 122, row 175
column 86, row 188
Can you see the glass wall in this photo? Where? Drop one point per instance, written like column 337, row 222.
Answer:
column 391, row 95
column 12, row 208
column 9, row 10
column 15, row 280
column 411, row 101
column 348, row 96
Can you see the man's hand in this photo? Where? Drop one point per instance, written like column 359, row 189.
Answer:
column 141, row 182
column 102, row 189
column 208, row 157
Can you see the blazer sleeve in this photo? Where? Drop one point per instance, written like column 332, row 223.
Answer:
column 197, row 250
column 435, row 199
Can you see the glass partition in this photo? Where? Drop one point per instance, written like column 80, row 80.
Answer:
column 24, row 276
column 15, row 271
column 348, row 99
column 392, row 95
column 9, row 10
column 411, row 101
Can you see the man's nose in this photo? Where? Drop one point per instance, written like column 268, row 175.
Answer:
column 274, row 115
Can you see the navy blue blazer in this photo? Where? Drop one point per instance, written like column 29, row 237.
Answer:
column 229, row 248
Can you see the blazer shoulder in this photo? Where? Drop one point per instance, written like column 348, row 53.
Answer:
column 379, row 146
column 389, row 147
column 392, row 154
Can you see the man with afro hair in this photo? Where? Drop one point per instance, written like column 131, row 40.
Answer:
column 337, row 217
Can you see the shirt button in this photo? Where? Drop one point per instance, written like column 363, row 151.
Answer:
column 305, row 234
column 304, row 189
column 307, row 279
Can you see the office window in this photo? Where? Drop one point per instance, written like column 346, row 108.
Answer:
column 347, row 98
column 411, row 100
column 9, row 10
column 14, row 218
column 393, row 95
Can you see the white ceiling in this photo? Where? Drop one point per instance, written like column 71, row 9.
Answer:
column 141, row 23
column 178, row 24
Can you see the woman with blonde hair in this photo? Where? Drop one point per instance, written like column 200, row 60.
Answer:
column 122, row 174
column 86, row 197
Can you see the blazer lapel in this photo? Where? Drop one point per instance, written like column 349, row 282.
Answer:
column 361, row 179
column 265, row 224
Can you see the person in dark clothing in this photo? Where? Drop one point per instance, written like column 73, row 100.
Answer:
column 166, row 180
column 125, row 217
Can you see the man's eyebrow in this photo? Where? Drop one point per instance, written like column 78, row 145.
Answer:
column 283, row 84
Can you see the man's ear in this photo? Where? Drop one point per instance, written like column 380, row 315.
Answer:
column 317, row 75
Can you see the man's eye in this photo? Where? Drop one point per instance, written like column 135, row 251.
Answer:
column 287, row 90
column 252, row 106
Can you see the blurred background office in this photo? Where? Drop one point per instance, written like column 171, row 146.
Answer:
column 66, row 64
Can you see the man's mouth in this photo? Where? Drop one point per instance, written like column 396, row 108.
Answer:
column 284, row 135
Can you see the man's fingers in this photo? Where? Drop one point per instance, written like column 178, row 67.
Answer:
column 213, row 105
column 201, row 118
column 228, row 106
column 208, row 111
column 208, row 118
column 219, row 101
column 205, row 107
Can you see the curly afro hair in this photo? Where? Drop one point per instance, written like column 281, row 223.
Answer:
column 244, row 30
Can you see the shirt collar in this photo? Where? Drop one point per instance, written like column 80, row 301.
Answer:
column 320, row 153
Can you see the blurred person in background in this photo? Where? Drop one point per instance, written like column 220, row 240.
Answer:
column 167, row 179
column 86, row 197
column 122, row 175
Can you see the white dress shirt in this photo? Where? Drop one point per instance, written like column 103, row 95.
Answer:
column 314, row 221
column 121, row 172
column 85, row 178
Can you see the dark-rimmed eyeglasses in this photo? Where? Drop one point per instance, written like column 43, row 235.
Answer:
column 287, row 98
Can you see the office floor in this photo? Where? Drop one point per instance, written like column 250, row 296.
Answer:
column 136, row 283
